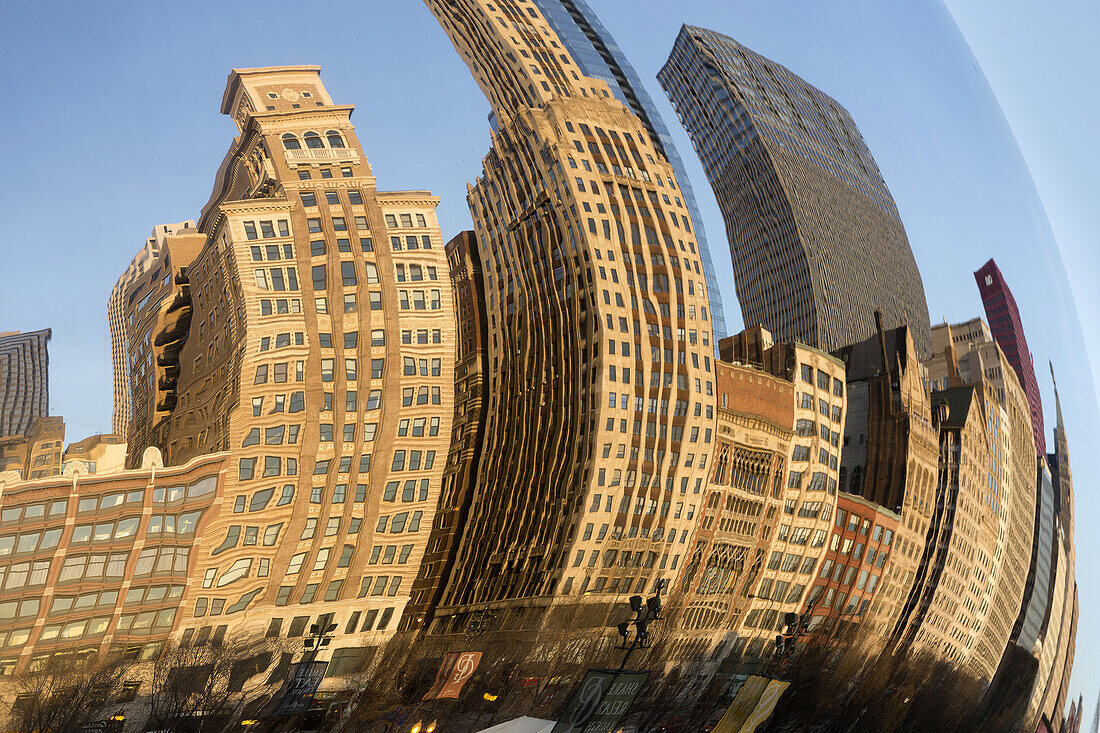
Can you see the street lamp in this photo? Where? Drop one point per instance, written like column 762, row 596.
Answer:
column 644, row 613
column 319, row 636
column 795, row 626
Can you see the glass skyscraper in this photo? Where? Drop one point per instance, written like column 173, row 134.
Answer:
column 598, row 56
column 816, row 239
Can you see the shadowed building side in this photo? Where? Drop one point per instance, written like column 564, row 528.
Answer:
column 467, row 432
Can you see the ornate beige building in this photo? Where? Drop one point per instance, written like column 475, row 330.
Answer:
column 37, row 453
column 808, row 495
column 306, row 325
column 972, row 574
column 92, row 562
column 600, row 387
column 744, row 499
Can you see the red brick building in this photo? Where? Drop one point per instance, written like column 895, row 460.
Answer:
column 858, row 557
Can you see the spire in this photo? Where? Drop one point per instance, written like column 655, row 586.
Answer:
column 1057, row 402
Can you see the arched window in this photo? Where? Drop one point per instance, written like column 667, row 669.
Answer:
column 313, row 140
column 334, row 139
column 291, row 143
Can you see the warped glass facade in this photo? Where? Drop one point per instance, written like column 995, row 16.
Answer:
column 1036, row 608
column 817, row 242
column 599, row 57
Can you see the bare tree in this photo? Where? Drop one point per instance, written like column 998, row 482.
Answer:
column 200, row 688
column 66, row 693
column 841, row 682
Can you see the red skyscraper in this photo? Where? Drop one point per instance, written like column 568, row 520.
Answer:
column 1008, row 331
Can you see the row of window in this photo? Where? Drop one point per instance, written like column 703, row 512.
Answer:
column 332, row 198
column 410, row 242
column 280, row 306
column 823, row 380
column 272, row 252
column 808, row 428
column 633, row 531
column 267, row 229
column 420, row 299
column 30, row 542
column 217, row 607
column 313, row 140
column 318, row 247
column 415, row 273
column 298, row 624
column 832, row 412
column 340, row 224
column 20, row 575
column 280, row 372
column 161, row 495
column 790, row 562
column 251, row 537
column 406, row 220
column 389, row 554
column 801, row 535
column 283, row 340
column 326, row 173
column 273, row 435
column 348, row 277
column 854, row 522
column 276, row 278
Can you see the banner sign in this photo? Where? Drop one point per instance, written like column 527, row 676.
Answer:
column 600, row 701
column 766, row 705
column 755, row 701
column 301, row 683
column 457, row 668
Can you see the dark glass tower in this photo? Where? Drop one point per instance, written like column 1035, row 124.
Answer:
column 24, row 380
column 816, row 239
column 598, row 56
column 1008, row 332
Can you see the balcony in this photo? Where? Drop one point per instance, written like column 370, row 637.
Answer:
column 167, row 402
column 311, row 154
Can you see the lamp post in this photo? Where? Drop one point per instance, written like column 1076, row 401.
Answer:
column 320, row 636
column 644, row 614
column 795, row 627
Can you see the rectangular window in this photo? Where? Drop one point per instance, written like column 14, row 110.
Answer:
column 347, row 274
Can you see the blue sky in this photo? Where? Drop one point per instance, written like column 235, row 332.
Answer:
column 112, row 126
